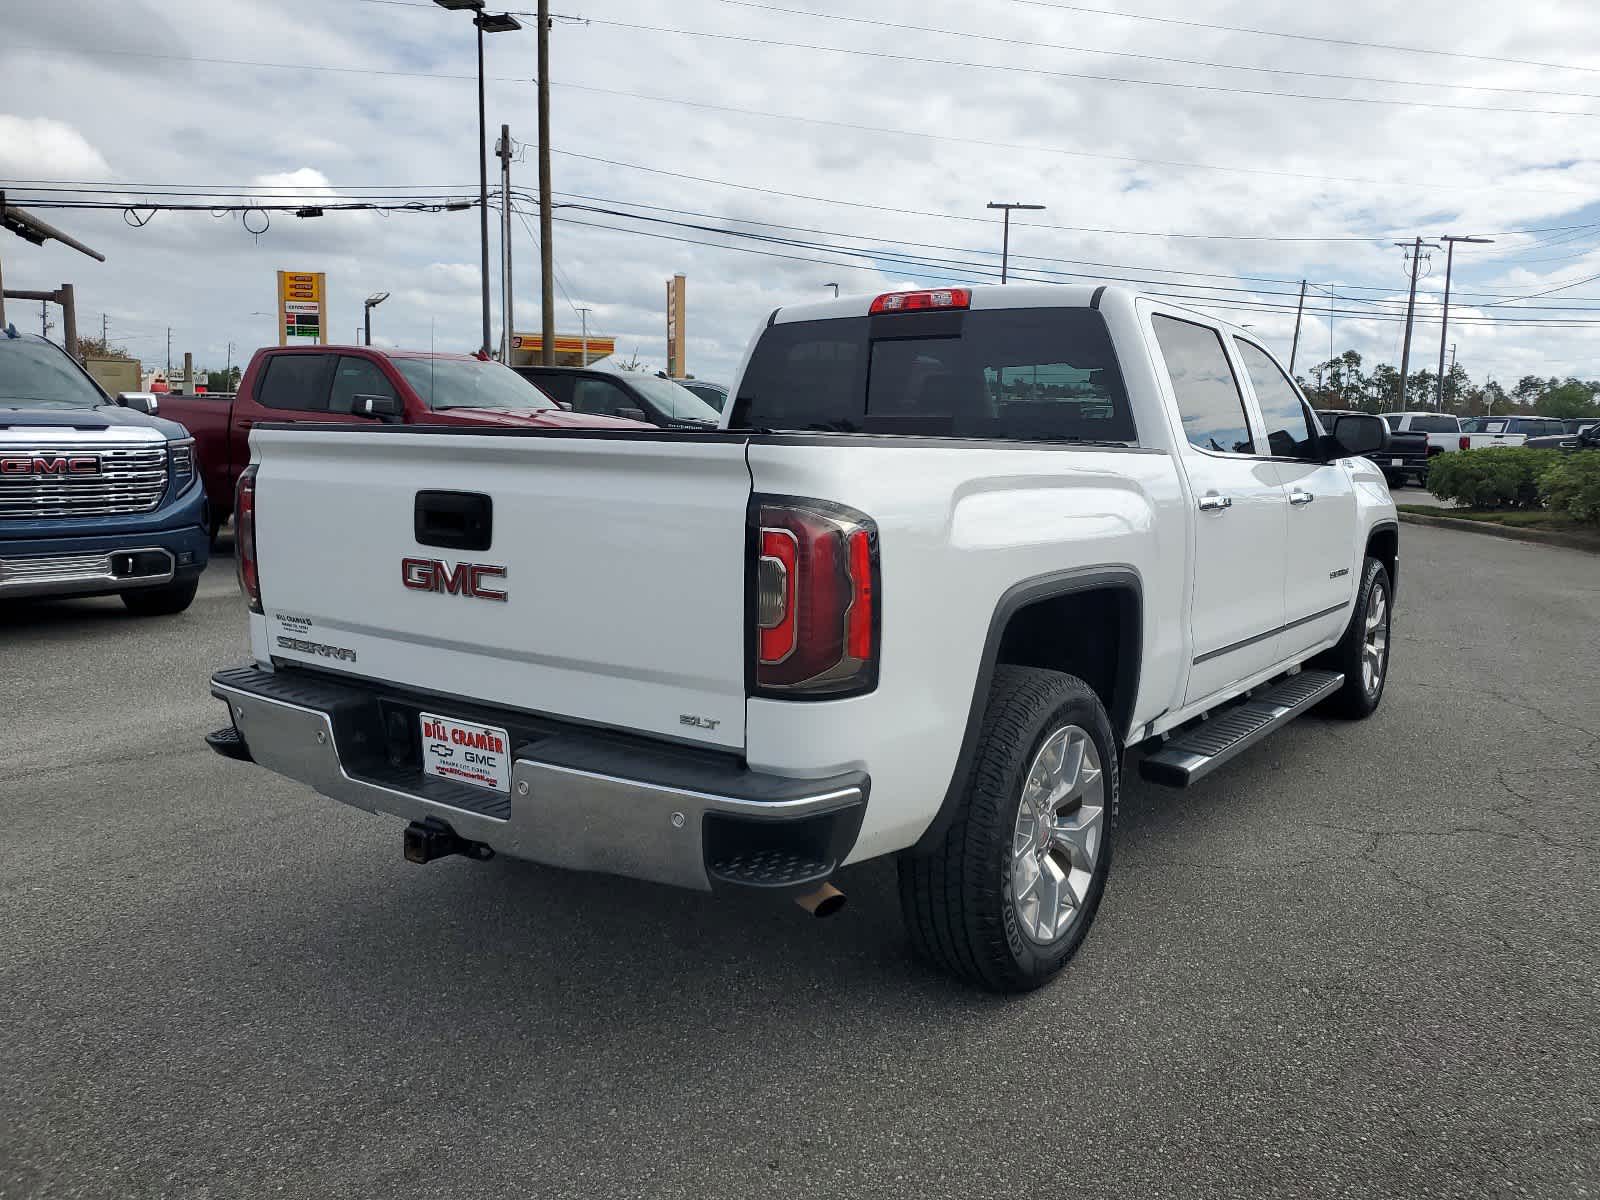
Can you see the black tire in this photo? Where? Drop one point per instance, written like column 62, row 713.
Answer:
column 1396, row 482
column 1356, row 700
column 162, row 601
column 216, row 530
column 955, row 897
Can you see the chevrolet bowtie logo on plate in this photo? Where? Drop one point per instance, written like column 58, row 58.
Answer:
column 12, row 465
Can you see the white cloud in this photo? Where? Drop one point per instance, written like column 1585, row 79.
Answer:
column 40, row 148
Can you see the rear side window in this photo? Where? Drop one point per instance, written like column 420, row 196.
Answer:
column 1291, row 431
column 1202, row 380
column 296, row 381
column 1393, row 421
column 1047, row 374
column 600, row 398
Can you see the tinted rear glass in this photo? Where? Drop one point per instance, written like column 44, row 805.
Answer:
column 296, row 381
column 1012, row 374
column 1435, row 425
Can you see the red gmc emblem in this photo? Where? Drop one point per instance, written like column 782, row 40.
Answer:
column 459, row 579
column 49, row 464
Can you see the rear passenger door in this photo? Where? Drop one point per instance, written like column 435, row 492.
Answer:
column 295, row 387
column 1319, row 575
column 1239, row 520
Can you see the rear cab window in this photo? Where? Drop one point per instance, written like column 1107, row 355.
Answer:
column 1027, row 374
column 1435, row 425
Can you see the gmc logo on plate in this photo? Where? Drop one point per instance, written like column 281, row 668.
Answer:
column 459, row 579
column 49, row 464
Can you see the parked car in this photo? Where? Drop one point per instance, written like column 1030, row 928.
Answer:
column 1579, row 424
column 97, row 496
column 714, row 394
column 973, row 545
column 630, row 394
column 1406, row 455
column 1478, row 432
column 325, row 385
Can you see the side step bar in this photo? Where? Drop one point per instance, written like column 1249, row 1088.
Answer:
column 1195, row 754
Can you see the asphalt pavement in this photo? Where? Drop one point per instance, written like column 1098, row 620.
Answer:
column 1362, row 960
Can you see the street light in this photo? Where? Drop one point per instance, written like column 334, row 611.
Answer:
column 1450, row 241
column 1005, row 244
column 835, row 288
column 486, row 23
column 370, row 303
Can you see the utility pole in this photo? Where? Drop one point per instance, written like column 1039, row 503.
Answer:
column 169, row 353
column 1299, row 311
column 507, row 324
column 1415, row 246
column 103, row 345
column 483, row 190
column 547, row 291
column 44, row 318
column 227, row 372
column 583, row 315
column 1005, row 240
column 1449, row 240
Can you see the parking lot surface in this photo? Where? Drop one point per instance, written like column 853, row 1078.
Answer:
column 1362, row 960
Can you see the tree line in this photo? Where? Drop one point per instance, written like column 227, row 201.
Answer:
column 1343, row 383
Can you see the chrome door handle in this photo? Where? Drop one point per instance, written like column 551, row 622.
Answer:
column 1211, row 502
column 1300, row 497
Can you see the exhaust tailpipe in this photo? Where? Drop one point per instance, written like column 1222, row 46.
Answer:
column 824, row 901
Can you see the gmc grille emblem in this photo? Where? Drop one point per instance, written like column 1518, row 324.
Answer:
column 458, row 579
column 49, row 464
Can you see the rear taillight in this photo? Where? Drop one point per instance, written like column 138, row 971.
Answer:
column 897, row 302
column 815, row 588
column 1466, row 443
column 244, row 538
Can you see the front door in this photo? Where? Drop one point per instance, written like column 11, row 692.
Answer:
column 1320, row 560
column 1239, row 519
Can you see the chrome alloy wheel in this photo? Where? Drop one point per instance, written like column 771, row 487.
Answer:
column 1060, row 828
column 1375, row 641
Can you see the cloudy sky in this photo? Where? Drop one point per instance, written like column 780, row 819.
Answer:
column 845, row 139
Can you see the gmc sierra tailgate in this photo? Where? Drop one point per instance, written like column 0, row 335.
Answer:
column 608, row 587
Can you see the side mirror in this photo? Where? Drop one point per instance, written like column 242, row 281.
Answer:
column 384, row 408
column 633, row 414
column 141, row 402
column 1590, row 436
column 1358, row 434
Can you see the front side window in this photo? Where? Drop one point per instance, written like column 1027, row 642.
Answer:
column 1203, row 384
column 1291, row 431
column 298, row 382
column 357, row 377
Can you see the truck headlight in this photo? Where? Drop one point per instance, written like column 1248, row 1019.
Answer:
column 181, row 456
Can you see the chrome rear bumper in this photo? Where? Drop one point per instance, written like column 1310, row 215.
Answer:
column 578, row 799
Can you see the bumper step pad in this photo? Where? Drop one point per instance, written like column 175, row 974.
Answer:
column 1194, row 754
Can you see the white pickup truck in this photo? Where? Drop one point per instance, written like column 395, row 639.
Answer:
column 952, row 554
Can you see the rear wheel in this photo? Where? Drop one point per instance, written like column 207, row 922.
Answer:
column 1362, row 654
column 1006, row 897
column 162, row 601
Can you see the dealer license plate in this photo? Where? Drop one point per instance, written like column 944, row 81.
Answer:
column 1397, row 462
column 465, row 753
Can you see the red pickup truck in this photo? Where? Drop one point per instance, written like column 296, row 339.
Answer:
column 344, row 383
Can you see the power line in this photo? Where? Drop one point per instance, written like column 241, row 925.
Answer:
column 913, row 266
column 78, row 48
column 749, row 39
column 966, row 35
column 1305, row 37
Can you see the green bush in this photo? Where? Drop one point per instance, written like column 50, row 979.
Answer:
column 1572, row 486
column 1496, row 477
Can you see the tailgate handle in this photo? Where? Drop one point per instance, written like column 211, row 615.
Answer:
column 454, row 520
